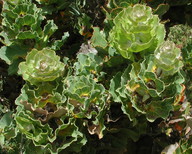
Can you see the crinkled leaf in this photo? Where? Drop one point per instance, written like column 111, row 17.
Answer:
column 160, row 108
column 86, row 99
column 57, row 44
column 88, row 63
column 114, row 84
column 98, row 38
column 49, row 29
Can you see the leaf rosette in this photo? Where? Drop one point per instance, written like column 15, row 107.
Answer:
column 63, row 136
column 41, row 66
column 44, row 102
column 86, row 99
column 43, row 119
column 143, row 88
column 135, row 30
column 168, row 58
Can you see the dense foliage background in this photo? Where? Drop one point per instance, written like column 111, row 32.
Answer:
column 100, row 76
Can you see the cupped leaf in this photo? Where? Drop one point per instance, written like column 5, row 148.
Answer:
column 22, row 21
column 85, row 95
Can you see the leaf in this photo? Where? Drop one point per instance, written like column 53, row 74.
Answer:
column 134, row 35
column 114, row 85
column 12, row 52
column 58, row 43
column 49, row 29
column 5, row 40
column 95, row 129
column 161, row 9
column 6, row 120
column 159, row 109
column 98, row 38
column 41, row 66
column 88, row 63
column 26, row 35
column 113, row 4
column 13, row 68
column 44, row 113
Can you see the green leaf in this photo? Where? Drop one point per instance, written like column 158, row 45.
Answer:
column 6, row 120
column 10, row 53
column 5, row 40
column 98, row 38
column 49, row 29
column 26, row 35
column 167, row 57
column 160, row 108
column 86, row 99
column 57, row 44
column 13, row 68
column 161, row 10
column 88, row 63
column 114, row 85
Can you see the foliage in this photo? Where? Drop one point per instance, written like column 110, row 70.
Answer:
column 144, row 89
column 135, row 30
column 182, row 30
column 106, row 76
column 22, row 31
column 22, row 25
